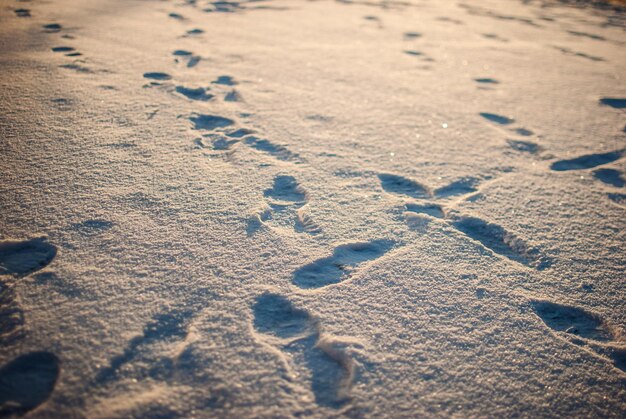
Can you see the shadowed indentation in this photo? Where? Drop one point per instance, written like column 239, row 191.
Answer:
column 170, row 326
column 20, row 258
column 278, row 151
column 62, row 49
column 52, row 27
column 524, row 146
column 618, row 103
column 498, row 119
column 210, row 122
column 27, row 382
column 500, row 241
column 199, row 93
column 573, row 320
column 433, row 210
column 339, row 266
column 285, row 188
column 587, row 161
column 487, row 81
column 610, row 177
column 275, row 315
column 459, row 187
column 403, row 186
column 225, row 80
column 157, row 76
column 11, row 316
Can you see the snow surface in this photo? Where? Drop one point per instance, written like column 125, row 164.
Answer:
column 357, row 208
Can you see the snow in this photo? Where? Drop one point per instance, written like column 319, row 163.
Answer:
column 322, row 208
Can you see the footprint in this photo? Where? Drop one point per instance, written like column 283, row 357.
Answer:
column 610, row 177
column 176, row 16
column 487, row 81
column 286, row 199
column 412, row 35
column 459, row 187
column 412, row 52
column 27, row 382
column 52, row 27
column 19, row 258
column 233, row 96
column 500, row 241
column 341, row 265
column 182, row 53
column 210, row 122
column 275, row 315
column 573, row 320
column 157, row 76
column 193, row 32
column 524, row 146
column 225, row 80
column 22, row 12
column 143, row 351
column 277, row 151
column 62, row 49
column 11, row 316
column 402, row 186
column 617, row 103
column 498, row 119
column 524, row 132
column 587, row 161
column 286, row 190
column 199, row 93
column 296, row 333
column 433, row 210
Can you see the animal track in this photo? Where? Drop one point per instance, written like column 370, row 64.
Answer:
column 27, row 382
column 500, row 241
column 587, row 161
column 294, row 332
column 199, row 93
column 19, row 258
column 341, row 265
column 403, row 186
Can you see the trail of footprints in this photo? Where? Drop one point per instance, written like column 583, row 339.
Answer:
column 28, row 380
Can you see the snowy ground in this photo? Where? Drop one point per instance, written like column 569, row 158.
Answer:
column 312, row 208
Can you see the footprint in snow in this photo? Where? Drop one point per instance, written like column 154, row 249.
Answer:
column 583, row 328
column 27, row 382
column 296, row 334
